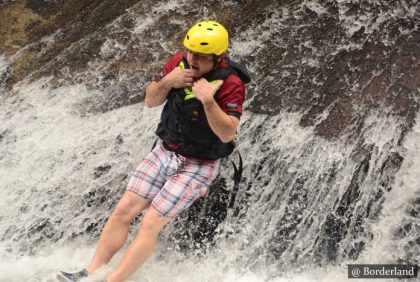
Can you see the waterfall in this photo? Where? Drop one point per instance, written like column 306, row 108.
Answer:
column 329, row 137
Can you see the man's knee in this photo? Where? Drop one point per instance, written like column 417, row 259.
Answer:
column 153, row 222
column 129, row 207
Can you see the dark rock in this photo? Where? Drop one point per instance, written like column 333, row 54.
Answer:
column 333, row 74
column 97, row 197
column 101, row 170
column 197, row 227
column 119, row 140
column 3, row 134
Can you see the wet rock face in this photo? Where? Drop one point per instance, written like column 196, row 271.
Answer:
column 333, row 63
column 5, row 72
column 27, row 23
column 314, row 57
column 324, row 60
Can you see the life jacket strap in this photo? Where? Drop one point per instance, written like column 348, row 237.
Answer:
column 237, row 177
column 154, row 144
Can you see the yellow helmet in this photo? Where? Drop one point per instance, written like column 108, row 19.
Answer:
column 207, row 37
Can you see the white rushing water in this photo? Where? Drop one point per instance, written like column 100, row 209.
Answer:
column 4, row 73
column 64, row 163
column 45, row 137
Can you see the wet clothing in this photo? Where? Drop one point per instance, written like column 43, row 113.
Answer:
column 183, row 165
column 172, row 182
column 184, row 127
column 231, row 94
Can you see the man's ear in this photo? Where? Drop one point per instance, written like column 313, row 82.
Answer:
column 216, row 60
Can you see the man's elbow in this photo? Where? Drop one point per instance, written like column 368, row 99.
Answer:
column 227, row 138
column 148, row 95
column 148, row 103
column 230, row 133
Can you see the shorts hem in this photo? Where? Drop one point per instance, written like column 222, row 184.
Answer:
column 162, row 214
column 141, row 196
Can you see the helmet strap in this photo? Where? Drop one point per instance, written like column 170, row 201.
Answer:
column 216, row 61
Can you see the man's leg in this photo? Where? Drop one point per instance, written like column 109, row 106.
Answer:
column 142, row 247
column 115, row 231
column 173, row 198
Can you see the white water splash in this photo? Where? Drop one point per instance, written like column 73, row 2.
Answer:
column 4, row 73
column 385, row 247
column 46, row 138
column 50, row 148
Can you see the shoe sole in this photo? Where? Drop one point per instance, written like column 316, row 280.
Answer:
column 62, row 279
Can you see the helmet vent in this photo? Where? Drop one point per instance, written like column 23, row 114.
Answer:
column 209, row 28
column 188, row 37
column 204, row 43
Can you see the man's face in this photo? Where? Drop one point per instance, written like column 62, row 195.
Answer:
column 199, row 63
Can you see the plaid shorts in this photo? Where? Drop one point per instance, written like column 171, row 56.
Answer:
column 172, row 182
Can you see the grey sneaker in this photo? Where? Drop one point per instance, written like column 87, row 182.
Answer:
column 72, row 277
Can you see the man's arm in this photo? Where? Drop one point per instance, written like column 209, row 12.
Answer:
column 222, row 124
column 156, row 92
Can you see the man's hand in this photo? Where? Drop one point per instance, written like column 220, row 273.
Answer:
column 204, row 91
column 179, row 78
column 157, row 92
column 222, row 124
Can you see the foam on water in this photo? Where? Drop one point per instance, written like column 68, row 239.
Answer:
column 51, row 146
column 4, row 73
column 46, row 136
column 385, row 246
column 71, row 257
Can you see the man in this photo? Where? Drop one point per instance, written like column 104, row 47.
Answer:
column 204, row 97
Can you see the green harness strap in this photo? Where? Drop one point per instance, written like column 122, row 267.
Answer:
column 188, row 91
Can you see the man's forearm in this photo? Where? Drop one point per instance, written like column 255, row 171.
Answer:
column 222, row 124
column 156, row 93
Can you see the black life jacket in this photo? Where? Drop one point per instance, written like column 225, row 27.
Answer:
column 184, row 122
